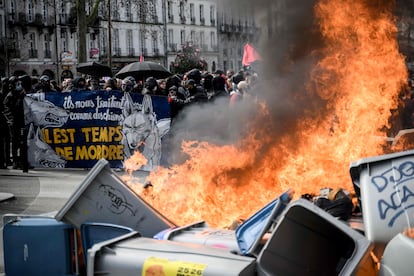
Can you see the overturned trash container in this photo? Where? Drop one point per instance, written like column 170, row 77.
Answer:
column 104, row 198
column 131, row 254
column 398, row 256
column 309, row 241
column 385, row 187
column 201, row 233
column 37, row 245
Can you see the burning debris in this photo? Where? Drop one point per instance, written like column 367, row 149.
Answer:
column 323, row 102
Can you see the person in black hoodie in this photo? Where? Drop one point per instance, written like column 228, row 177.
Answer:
column 3, row 125
column 14, row 113
column 219, row 89
column 197, row 92
column 79, row 84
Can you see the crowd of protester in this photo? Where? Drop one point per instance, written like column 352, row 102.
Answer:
column 194, row 86
column 181, row 90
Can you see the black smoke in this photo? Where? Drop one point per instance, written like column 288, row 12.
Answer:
column 288, row 40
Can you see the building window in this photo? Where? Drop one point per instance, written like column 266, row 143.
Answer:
column 47, row 52
column 182, row 37
column 192, row 16
column 128, row 13
column 169, row 9
column 202, row 41
column 12, row 9
column 212, row 15
column 129, row 41
column 32, row 45
column 170, row 36
column 202, row 18
column 142, row 43
column 152, row 9
column 44, row 11
column 155, row 43
column 182, row 10
column 1, row 26
column 172, row 46
column 30, row 11
column 115, row 42
column 104, row 39
column 142, row 11
column 15, row 40
column 64, row 39
column 114, row 10
column 91, row 40
column 192, row 37
column 213, row 40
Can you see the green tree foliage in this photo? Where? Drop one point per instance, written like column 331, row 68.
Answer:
column 188, row 58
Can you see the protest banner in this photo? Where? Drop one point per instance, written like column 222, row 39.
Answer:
column 76, row 129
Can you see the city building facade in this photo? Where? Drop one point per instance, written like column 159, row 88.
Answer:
column 41, row 36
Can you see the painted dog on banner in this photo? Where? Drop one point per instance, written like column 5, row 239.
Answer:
column 43, row 113
column 41, row 154
column 142, row 132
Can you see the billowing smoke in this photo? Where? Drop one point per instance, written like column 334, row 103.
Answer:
column 288, row 40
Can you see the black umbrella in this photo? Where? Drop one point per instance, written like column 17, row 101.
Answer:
column 143, row 70
column 94, row 69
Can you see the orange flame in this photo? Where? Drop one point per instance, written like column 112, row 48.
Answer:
column 358, row 76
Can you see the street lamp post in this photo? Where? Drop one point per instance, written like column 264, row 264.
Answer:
column 164, row 14
column 109, row 35
column 57, row 32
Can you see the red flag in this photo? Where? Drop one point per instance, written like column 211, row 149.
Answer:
column 141, row 58
column 250, row 55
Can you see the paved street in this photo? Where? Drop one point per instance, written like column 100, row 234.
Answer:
column 39, row 191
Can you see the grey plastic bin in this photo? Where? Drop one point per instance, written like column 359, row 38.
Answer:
column 398, row 257
column 103, row 197
column 201, row 233
column 134, row 255
column 385, row 187
column 309, row 241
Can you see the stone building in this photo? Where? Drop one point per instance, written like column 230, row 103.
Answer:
column 40, row 36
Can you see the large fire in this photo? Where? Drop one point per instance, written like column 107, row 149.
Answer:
column 356, row 78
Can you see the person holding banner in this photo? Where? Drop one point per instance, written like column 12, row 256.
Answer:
column 44, row 84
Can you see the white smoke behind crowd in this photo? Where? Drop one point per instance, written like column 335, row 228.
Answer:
column 286, row 39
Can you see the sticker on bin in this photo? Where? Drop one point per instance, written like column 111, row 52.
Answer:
column 166, row 267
